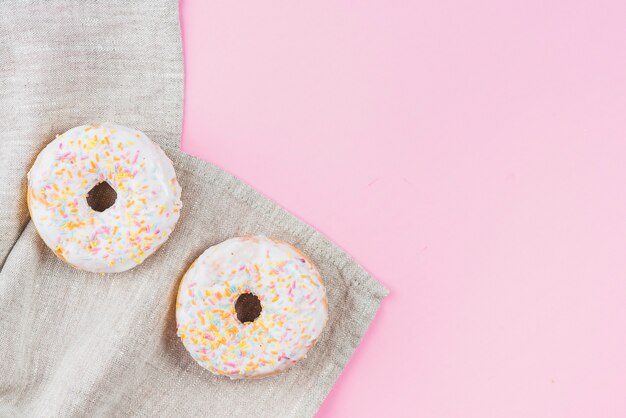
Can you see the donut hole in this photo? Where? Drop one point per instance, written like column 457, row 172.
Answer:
column 248, row 307
column 101, row 196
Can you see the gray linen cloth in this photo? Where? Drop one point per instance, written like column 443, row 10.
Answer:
column 74, row 343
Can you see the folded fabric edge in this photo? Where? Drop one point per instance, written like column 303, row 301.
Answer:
column 326, row 250
column 368, row 313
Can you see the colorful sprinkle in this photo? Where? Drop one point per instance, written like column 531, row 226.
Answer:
column 116, row 239
column 287, row 327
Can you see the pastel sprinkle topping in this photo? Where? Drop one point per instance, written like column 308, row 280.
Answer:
column 142, row 217
column 291, row 294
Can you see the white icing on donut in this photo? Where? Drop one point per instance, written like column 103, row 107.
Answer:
column 293, row 300
column 142, row 217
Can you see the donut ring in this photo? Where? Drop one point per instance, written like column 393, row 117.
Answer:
column 123, row 235
column 288, row 290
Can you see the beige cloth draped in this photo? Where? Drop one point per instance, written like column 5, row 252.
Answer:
column 74, row 343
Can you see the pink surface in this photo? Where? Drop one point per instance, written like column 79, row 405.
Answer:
column 471, row 155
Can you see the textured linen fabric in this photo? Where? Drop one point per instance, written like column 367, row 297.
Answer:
column 74, row 343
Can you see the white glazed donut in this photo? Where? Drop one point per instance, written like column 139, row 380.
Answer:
column 145, row 211
column 210, row 307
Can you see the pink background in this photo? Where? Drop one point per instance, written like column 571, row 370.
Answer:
column 470, row 154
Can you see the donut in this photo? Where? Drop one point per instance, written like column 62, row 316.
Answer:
column 103, row 197
column 250, row 307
